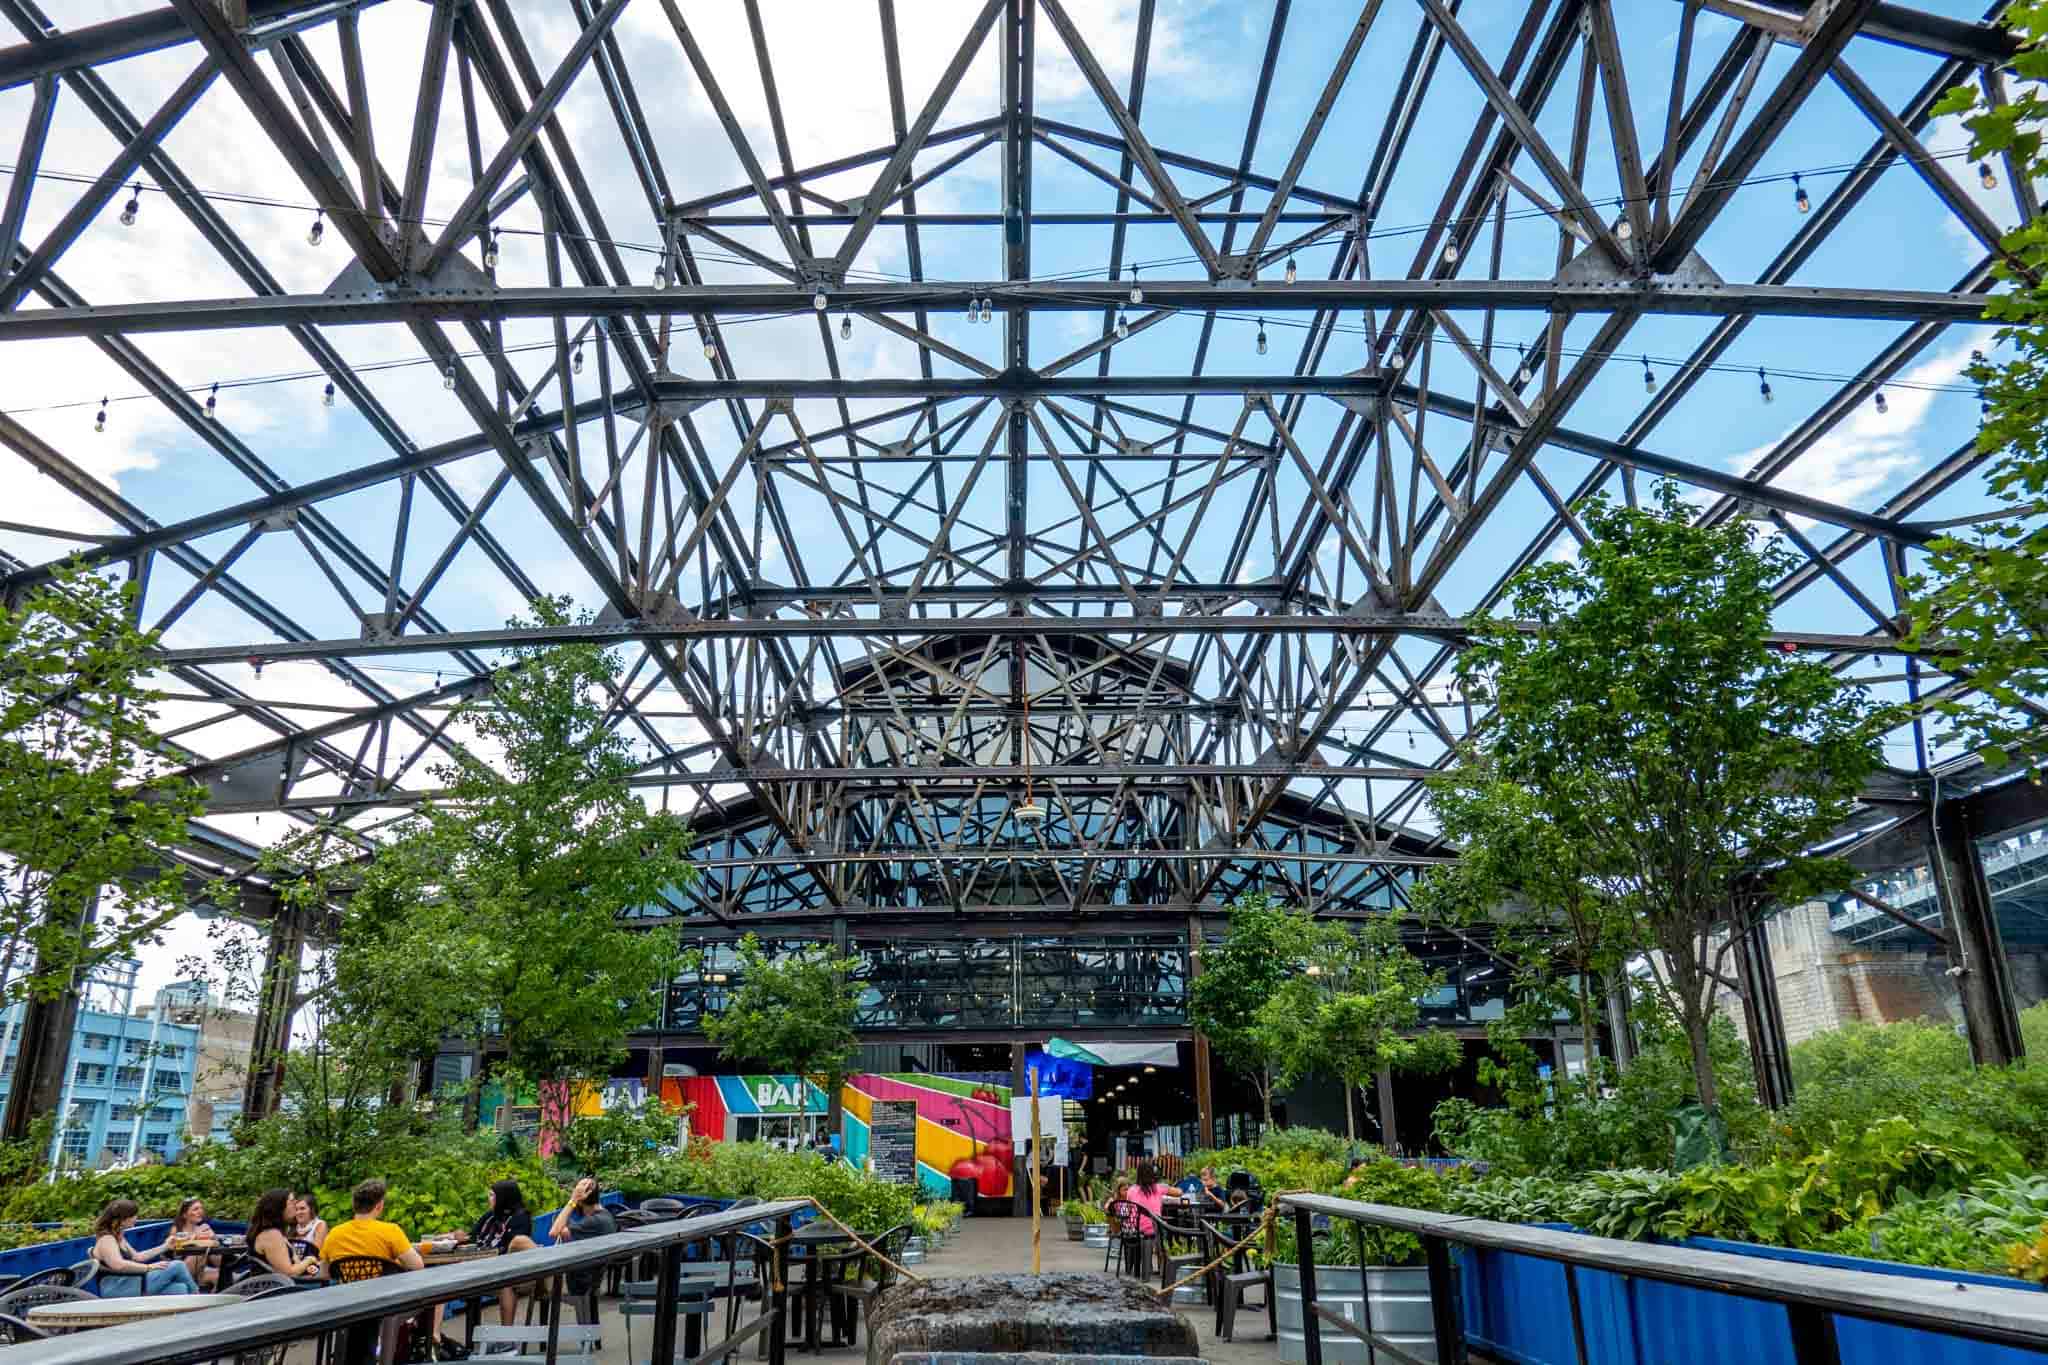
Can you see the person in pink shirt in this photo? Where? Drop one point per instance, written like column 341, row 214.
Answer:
column 1149, row 1194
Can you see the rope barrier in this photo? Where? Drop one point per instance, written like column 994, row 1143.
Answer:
column 1265, row 1222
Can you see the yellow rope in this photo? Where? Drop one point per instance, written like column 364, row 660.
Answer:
column 1265, row 1221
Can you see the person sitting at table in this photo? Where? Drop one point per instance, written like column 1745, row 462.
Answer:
column 583, row 1216
column 303, row 1224
column 189, row 1226
column 1207, row 1196
column 367, row 1234
column 1148, row 1193
column 270, row 1243
column 125, row 1272
column 505, row 1226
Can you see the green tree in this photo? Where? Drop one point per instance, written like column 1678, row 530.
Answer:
column 1524, row 880
column 1690, row 762
column 501, row 905
column 1237, row 976
column 1981, row 607
column 91, row 807
column 793, row 1012
column 1348, row 1007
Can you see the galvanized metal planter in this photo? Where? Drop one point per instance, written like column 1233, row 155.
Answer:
column 1399, row 1303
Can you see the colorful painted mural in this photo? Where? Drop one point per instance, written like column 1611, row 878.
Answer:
column 719, row 1102
column 963, row 1128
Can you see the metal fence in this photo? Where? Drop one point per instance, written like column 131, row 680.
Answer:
column 353, row 1313
column 1823, row 1306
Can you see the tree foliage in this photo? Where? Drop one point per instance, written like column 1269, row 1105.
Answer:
column 1981, row 607
column 1653, row 726
column 1237, row 976
column 792, row 1011
column 1346, row 1007
column 90, row 803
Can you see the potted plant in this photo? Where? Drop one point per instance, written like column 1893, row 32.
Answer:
column 1094, row 1226
column 1391, row 1280
column 1074, row 1214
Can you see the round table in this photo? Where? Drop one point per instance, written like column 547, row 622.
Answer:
column 815, row 1238
column 77, row 1315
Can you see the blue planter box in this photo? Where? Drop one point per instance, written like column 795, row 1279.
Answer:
column 24, row 1261
column 1515, row 1308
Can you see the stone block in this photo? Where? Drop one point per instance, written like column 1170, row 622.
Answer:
column 1057, row 1315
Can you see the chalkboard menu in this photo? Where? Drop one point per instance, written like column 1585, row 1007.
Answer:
column 520, row 1120
column 892, row 1140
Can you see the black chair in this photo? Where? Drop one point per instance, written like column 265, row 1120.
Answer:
column 1229, row 1282
column 852, row 1294
column 15, row 1303
column 354, row 1343
column 1181, row 1248
column 56, row 1274
column 693, row 1305
column 82, row 1274
column 661, row 1210
column 15, row 1332
column 256, row 1286
column 1128, row 1240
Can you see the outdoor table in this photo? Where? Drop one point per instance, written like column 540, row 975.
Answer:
column 463, row 1254
column 815, row 1238
column 77, row 1315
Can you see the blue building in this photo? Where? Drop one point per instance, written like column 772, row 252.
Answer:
column 128, row 1084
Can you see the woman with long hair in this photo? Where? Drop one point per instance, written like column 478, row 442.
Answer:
column 304, row 1224
column 189, row 1227
column 270, row 1238
column 505, row 1226
column 125, row 1272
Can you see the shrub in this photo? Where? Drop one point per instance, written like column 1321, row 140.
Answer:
column 735, row 1170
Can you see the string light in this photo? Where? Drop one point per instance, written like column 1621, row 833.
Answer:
column 99, row 421
column 1262, row 336
column 134, row 204
column 491, row 250
column 1137, row 294
column 1877, row 399
column 710, row 346
column 576, row 361
column 213, row 404
column 1451, row 253
column 846, row 327
column 1522, row 366
column 1292, row 273
column 1763, row 385
column 1123, row 326
column 988, row 308
column 319, row 228
column 1799, row 199
column 448, row 376
column 327, row 398
column 818, row 299
column 1987, row 177
column 973, row 310
column 661, row 272
column 1622, row 230
column 1394, row 358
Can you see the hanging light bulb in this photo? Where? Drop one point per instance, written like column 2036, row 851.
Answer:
column 846, row 327
column 1394, row 358
column 974, row 309
column 818, row 299
column 1137, row 294
column 1521, row 366
column 1763, row 385
column 661, row 272
column 1649, row 377
column 576, row 361
column 1987, row 177
column 448, row 375
column 318, row 230
column 213, row 404
column 1622, row 230
column 134, row 205
column 1292, row 273
column 327, row 398
column 710, row 346
column 1799, row 199
column 1877, row 399
column 1123, row 327
column 491, row 251
column 1262, row 336
column 99, row 421
column 1450, row 253
column 988, row 308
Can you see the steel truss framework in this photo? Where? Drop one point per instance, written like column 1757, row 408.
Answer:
column 1196, row 608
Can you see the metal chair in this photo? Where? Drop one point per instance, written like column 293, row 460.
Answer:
column 1229, row 1283
column 15, row 1303
column 1128, row 1241
column 350, row 1269
column 845, row 1288
column 639, row 1299
column 1187, row 1234
column 56, row 1274
column 662, row 1210
column 571, row 1343
column 15, row 1332
column 256, row 1286
column 82, row 1274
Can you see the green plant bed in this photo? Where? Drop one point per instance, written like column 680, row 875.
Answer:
column 737, row 1170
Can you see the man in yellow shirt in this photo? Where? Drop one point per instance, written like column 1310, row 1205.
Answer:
column 367, row 1234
